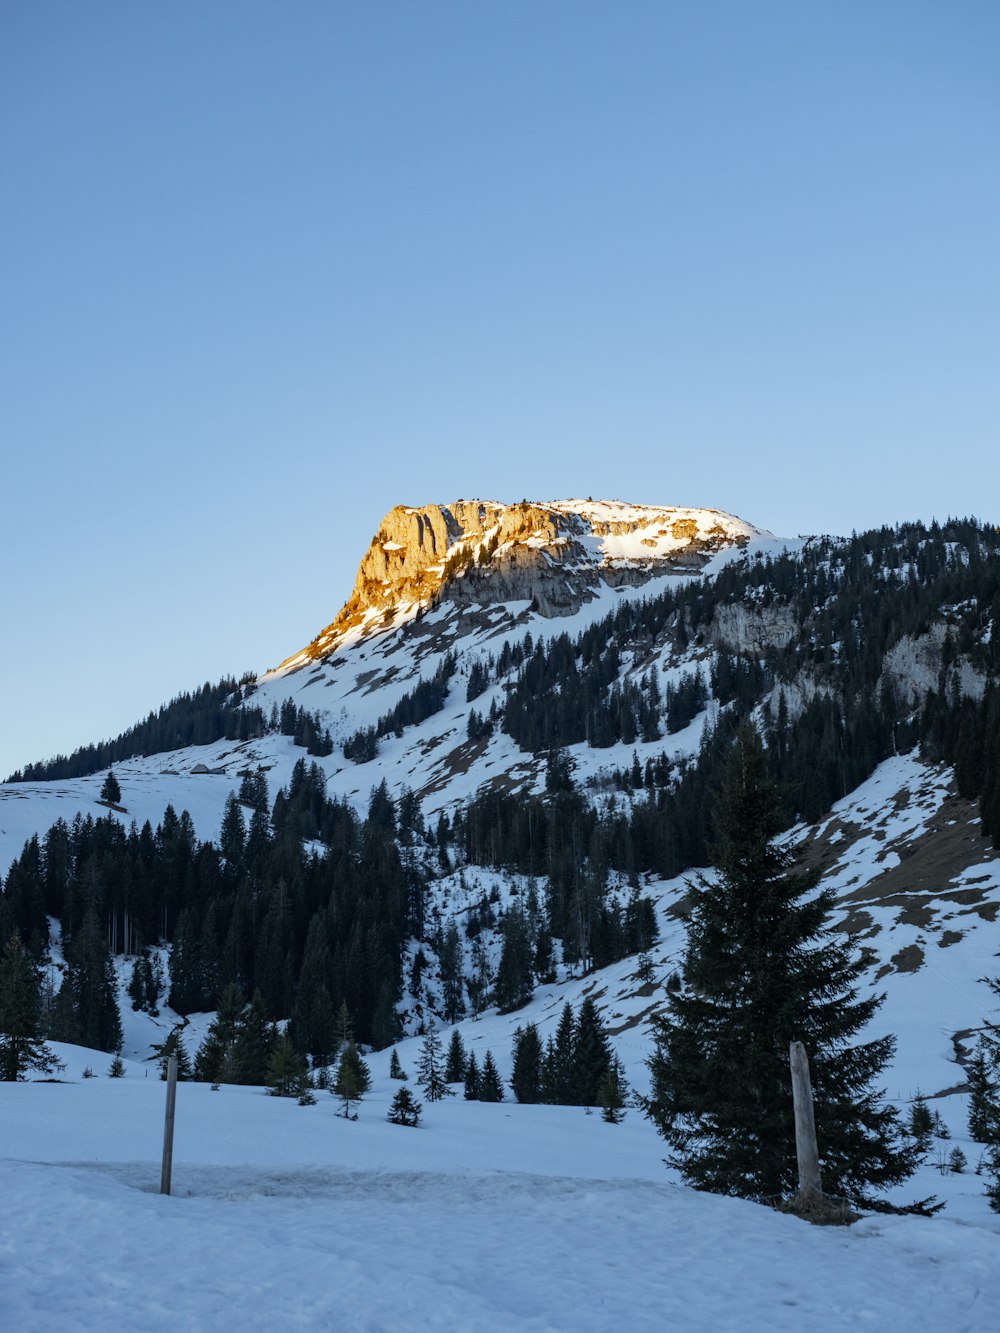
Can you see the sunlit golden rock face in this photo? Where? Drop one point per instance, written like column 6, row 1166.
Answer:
column 552, row 555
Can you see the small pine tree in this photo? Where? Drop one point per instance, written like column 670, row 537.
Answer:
column 405, row 1109
column 396, row 1070
column 490, row 1085
column 613, row 1092
column 353, row 1079
column 213, row 1058
column 921, row 1122
column 430, row 1067
column 454, row 1070
column 174, row 1046
column 117, row 1067
column 472, row 1079
column 958, row 1161
column 984, row 1102
column 287, row 1074
column 110, row 790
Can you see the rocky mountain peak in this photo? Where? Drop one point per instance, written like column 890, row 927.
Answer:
column 553, row 554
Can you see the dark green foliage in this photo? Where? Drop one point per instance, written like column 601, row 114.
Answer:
column 287, row 1074
column 89, row 1003
column 490, row 1085
column 921, row 1124
column 456, row 1060
column 760, row 970
column 559, row 1080
column 591, row 1055
column 21, row 1048
column 479, row 678
column 526, row 1077
column 110, row 789
column 116, row 1069
column 174, row 1045
column 984, row 1096
column 450, row 966
column 430, row 1066
column 213, row 1062
column 513, row 984
column 396, row 1070
column 472, row 1079
column 613, row 1091
column 198, row 718
column 405, row 1109
column 353, row 1079
column 253, row 1043
column 145, row 983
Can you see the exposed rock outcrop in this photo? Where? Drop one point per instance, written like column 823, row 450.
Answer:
column 554, row 555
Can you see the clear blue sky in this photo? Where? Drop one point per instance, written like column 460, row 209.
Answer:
column 270, row 269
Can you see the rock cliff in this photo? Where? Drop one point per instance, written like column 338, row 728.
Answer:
column 554, row 554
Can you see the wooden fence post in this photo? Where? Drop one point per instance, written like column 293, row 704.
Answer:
column 805, row 1124
column 168, row 1126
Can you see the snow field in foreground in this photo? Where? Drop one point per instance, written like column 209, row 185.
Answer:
column 485, row 1218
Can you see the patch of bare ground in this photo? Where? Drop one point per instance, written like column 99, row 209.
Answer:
column 858, row 923
column 910, row 959
column 949, row 937
column 635, row 1021
column 932, row 871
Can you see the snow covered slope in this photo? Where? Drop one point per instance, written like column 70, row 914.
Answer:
column 485, row 1218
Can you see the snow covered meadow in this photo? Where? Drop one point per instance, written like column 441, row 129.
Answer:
column 485, row 1217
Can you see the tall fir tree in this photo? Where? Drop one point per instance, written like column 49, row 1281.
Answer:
column 471, row 1091
column 352, row 1081
column 761, row 970
column 526, row 1078
column 490, row 1083
column 21, row 1048
column 454, row 1071
column 430, row 1066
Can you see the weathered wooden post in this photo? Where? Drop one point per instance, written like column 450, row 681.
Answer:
column 805, row 1124
column 168, row 1126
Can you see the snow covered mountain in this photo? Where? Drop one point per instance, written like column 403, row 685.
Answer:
column 480, row 638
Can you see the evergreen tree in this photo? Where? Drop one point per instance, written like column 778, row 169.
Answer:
column 287, row 1074
column 353, row 1079
column 558, row 1076
column 512, row 987
column 213, row 1060
column 21, row 1048
column 405, row 1109
column 490, row 1085
column 93, row 990
column 591, row 1055
column 454, row 1071
column 430, row 1067
column 761, row 970
column 612, row 1092
column 472, row 1079
column 984, row 1101
column 110, row 790
column 396, row 1070
column 175, row 1046
column 253, row 1043
column 921, row 1122
column 116, row 1069
column 526, row 1078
